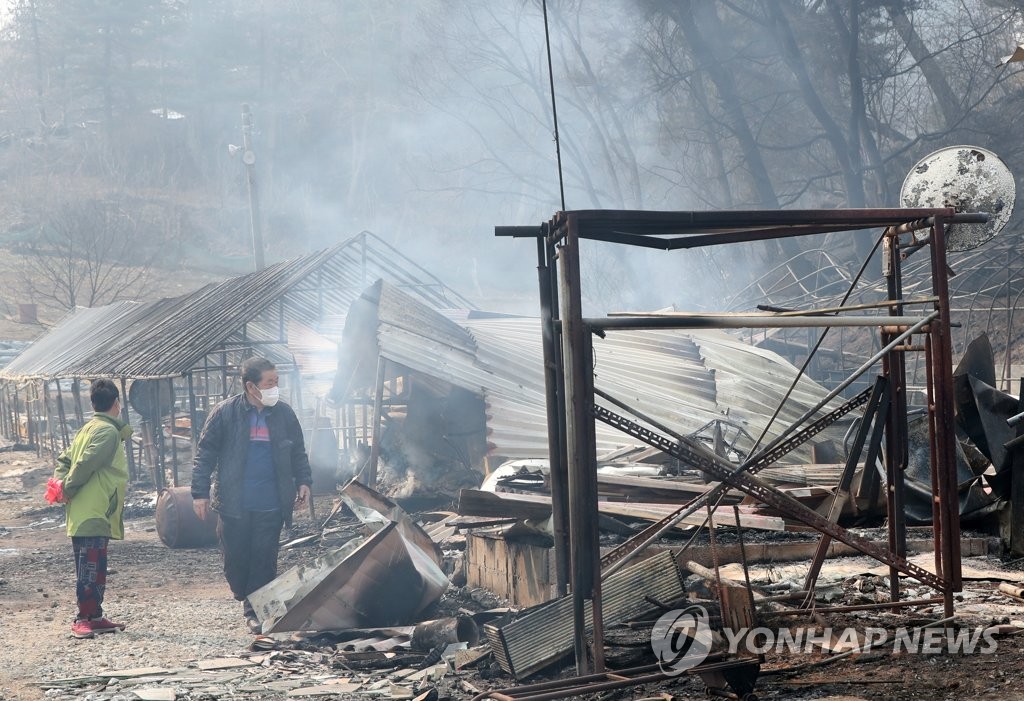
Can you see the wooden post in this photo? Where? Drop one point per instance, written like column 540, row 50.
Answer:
column 76, row 390
column 64, row 438
column 48, row 415
column 32, row 412
column 174, row 442
column 194, row 428
column 378, row 407
column 17, row 417
column 133, row 471
column 4, row 426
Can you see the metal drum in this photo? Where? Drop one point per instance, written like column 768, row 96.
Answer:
column 177, row 524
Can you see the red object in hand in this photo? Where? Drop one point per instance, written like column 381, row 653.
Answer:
column 54, row 490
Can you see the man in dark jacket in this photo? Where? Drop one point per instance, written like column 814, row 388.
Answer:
column 251, row 468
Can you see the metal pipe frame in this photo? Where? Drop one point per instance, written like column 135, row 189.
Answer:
column 557, row 465
column 941, row 422
column 745, row 321
column 572, row 373
column 581, row 445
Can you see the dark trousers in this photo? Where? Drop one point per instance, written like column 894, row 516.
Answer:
column 90, row 574
column 249, row 545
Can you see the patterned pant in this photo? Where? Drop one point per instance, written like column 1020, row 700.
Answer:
column 91, row 575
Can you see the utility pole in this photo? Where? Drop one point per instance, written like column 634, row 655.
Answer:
column 249, row 159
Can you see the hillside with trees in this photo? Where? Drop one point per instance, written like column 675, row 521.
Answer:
column 430, row 122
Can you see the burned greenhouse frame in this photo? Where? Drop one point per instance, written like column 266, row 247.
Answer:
column 186, row 350
column 574, row 403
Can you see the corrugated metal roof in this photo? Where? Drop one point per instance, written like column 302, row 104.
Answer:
column 684, row 379
column 169, row 337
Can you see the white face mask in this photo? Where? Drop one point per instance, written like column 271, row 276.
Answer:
column 269, row 396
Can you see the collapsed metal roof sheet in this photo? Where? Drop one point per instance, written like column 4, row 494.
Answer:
column 169, row 337
column 683, row 379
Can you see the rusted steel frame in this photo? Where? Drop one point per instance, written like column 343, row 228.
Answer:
column 854, row 307
column 743, row 321
column 928, row 222
column 879, row 394
column 670, row 222
column 943, row 423
column 581, row 448
column 777, row 447
column 713, row 239
column 591, row 683
column 713, row 541
column 875, row 449
column 862, row 607
column 717, row 227
column 896, row 450
column 933, row 465
column 553, row 379
column 723, row 470
column 519, row 231
column 743, row 561
column 624, row 552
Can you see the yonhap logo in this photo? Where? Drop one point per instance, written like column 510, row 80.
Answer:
column 681, row 639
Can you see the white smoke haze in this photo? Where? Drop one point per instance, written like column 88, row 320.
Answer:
column 430, row 123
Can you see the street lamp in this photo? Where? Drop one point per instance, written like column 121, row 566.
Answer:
column 249, row 159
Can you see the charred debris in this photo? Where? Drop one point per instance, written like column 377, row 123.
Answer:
column 510, row 495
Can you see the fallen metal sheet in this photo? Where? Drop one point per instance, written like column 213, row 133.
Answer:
column 545, row 635
column 375, row 509
column 385, row 580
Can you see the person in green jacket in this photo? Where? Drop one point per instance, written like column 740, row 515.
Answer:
column 93, row 472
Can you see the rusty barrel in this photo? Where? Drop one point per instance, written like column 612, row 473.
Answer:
column 177, row 524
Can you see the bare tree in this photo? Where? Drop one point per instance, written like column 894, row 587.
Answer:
column 87, row 254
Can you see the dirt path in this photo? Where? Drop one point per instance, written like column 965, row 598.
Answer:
column 178, row 611
column 175, row 602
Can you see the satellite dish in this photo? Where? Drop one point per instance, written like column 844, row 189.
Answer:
column 969, row 179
